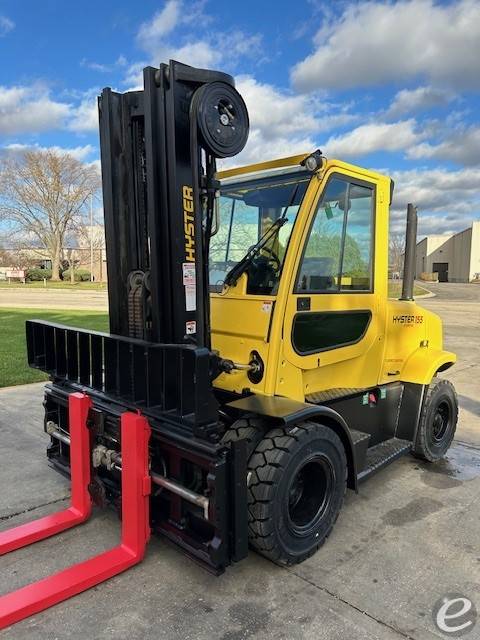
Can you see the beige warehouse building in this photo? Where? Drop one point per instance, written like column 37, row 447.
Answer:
column 456, row 258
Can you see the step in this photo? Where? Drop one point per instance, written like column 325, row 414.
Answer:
column 360, row 441
column 358, row 436
column 383, row 454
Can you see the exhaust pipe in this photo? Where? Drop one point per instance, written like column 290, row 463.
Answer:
column 410, row 253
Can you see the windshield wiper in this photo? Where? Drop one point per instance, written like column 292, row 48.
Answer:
column 236, row 271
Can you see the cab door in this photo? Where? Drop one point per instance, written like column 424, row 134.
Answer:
column 335, row 313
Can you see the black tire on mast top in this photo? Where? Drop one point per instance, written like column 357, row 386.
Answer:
column 222, row 119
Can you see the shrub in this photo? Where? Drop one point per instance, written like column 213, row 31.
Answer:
column 38, row 274
column 80, row 275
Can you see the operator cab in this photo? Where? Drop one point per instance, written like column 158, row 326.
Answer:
column 292, row 276
column 256, row 214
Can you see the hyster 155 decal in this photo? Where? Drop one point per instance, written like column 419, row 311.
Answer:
column 407, row 320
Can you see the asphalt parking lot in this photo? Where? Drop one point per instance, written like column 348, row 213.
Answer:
column 410, row 537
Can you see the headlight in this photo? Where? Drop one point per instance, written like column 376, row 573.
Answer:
column 313, row 162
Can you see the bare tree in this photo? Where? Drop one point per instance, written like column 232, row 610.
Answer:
column 396, row 249
column 4, row 257
column 70, row 258
column 43, row 194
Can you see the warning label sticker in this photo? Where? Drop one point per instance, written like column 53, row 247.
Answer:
column 189, row 277
column 190, row 297
column 190, row 327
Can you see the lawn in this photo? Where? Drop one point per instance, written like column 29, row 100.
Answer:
column 62, row 284
column 13, row 356
column 395, row 289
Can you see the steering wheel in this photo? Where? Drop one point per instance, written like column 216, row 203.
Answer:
column 273, row 257
column 263, row 272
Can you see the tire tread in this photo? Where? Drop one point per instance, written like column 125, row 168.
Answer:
column 266, row 466
column 420, row 448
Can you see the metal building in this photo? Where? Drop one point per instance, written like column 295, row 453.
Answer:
column 456, row 258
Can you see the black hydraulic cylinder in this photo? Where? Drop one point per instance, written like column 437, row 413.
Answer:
column 410, row 253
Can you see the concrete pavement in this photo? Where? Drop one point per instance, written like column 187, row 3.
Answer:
column 408, row 538
column 54, row 298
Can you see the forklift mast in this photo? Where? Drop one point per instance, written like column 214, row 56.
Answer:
column 158, row 150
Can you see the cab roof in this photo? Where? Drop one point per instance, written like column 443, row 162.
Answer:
column 275, row 167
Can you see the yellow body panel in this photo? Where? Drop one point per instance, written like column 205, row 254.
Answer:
column 240, row 325
column 413, row 344
column 403, row 341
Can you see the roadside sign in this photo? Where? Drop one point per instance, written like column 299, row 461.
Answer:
column 15, row 273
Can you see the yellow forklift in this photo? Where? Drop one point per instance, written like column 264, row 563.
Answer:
column 255, row 367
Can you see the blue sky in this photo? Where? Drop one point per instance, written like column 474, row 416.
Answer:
column 389, row 85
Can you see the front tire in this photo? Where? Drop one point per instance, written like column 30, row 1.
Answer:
column 250, row 429
column 438, row 421
column 296, row 487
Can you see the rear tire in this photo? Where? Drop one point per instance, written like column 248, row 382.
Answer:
column 438, row 421
column 296, row 487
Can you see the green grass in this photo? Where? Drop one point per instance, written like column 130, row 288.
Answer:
column 395, row 289
column 13, row 354
column 62, row 284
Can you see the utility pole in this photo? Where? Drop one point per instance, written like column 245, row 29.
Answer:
column 91, row 238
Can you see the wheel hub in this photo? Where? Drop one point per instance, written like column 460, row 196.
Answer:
column 441, row 421
column 309, row 494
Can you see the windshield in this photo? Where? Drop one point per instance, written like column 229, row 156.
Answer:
column 247, row 212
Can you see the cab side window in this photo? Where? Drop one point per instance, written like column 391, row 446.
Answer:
column 338, row 251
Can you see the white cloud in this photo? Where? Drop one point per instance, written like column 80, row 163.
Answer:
column 195, row 52
column 101, row 67
column 173, row 33
column 419, row 99
column 80, row 152
column 282, row 123
column 6, row 25
column 162, row 23
column 258, row 149
column 235, row 44
column 152, row 36
column 84, row 118
column 30, row 109
column 152, row 33
column 276, row 113
column 383, row 42
column 368, row 138
column 447, row 200
column 461, row 145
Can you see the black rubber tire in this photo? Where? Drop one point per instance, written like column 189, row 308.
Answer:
column 250, row 429
column 273, row 468
column 435, row 435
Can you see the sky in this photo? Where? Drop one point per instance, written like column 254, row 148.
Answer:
column 392, row 86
